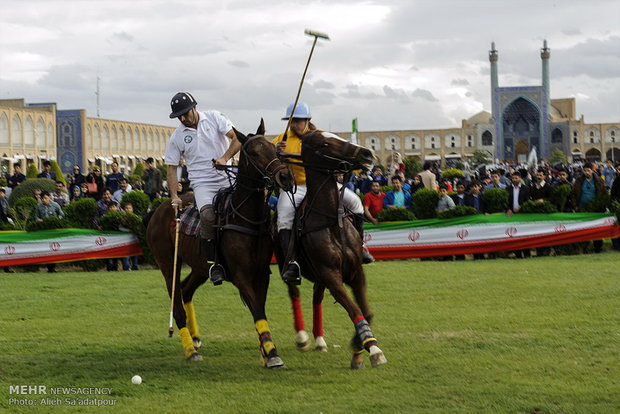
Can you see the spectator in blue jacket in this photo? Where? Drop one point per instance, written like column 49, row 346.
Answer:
column 397, row 198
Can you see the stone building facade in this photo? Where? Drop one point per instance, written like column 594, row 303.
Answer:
column 30, row 133
column 522, row 118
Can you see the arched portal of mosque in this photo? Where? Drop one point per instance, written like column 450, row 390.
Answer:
column 520, row 129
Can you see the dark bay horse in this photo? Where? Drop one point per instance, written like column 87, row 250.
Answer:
column 245, row 243
column 328, row 246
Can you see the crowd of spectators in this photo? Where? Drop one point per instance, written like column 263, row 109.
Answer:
column 107, row 192
column 380, row 191
column 587, row 181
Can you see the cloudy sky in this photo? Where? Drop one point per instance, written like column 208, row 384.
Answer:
column 394, row 64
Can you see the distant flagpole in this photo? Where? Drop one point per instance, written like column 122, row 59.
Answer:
column 354, row 132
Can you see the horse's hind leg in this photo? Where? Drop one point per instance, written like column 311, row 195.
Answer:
column 302, row 340
column 317, row 317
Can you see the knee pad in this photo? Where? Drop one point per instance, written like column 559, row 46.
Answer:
column 207, row 222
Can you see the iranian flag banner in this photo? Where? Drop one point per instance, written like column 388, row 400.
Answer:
column 64, row 245
column 483, row 234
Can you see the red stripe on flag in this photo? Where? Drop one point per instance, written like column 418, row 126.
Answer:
column 509, row 244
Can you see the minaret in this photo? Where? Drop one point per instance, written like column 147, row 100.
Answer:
column 545, row 54
column 494, row 83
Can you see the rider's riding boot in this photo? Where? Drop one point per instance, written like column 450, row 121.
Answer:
column 216, row 271
column 290, row 271
column 358, row 223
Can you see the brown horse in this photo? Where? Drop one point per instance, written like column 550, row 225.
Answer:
column 245, row 243
column 329, row 248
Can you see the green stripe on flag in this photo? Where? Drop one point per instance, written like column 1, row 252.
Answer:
column 24, row 236
column 481, row 219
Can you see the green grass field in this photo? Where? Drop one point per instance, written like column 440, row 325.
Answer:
column 518, row 336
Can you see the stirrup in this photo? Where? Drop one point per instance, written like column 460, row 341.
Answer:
column 217, row 274
column 292, row 274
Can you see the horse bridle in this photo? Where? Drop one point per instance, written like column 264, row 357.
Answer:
column 267, row 181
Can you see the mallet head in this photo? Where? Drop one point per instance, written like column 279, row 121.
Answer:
column 316, row 34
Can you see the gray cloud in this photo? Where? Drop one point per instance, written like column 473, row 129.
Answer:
column 239, row 64
column 122, row 36
column 424, row 94
column 379, row 67
column 459, row 82
column 321, row 84
column 572, row 31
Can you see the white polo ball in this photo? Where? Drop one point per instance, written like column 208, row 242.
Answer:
column 136, row 379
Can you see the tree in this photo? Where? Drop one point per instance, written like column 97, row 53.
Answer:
column 452, row 173
column 32, row 171
column 59, row 175
column 557, row 156
column 481, row 158
column 412, row 167
column 139, row 169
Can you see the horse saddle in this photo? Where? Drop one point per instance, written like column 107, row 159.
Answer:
column 190, row 221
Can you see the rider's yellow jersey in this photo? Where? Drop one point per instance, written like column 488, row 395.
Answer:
column 293, row 145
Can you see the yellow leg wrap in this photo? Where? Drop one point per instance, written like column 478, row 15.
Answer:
column 368, row 340
column 191, row 319
column 264, row 336
column 186, row 340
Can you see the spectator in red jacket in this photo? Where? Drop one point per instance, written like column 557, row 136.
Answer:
column 373, row 202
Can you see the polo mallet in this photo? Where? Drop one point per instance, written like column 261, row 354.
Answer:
column 174, row 268
column 316, row 37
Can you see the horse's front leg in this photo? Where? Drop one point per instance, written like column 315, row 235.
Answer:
column 180, row 317
column 364, row 338
column 254, row 294
column 317, row 317
column 188, row 288
column 302, row 340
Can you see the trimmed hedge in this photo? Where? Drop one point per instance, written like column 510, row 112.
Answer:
column 561, row 195
column 48, row 223
column 157, row 202
column 598, row 204
column 452, row 173
column 458, row 211
column 81, row 213
column 115, row 220
column 495, row 200
column 425, row 203
column 615, row 208
column 32, row 172
column 25, row 208
column 395, row 214
column 533, row 207
column 59, row 175
column 138, row 200
column 26, row 189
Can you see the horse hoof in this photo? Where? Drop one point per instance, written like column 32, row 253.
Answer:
column 274, row 362
column 357, row 362
column 320, row 346
column 197, row 343
column 302, row 341
column 195, row 357
column 376, row 357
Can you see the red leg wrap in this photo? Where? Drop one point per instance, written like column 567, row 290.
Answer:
column 317, row 320
column 298, row 317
